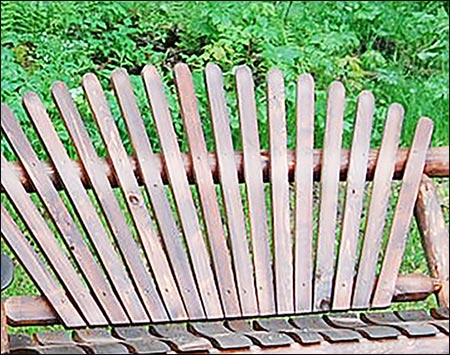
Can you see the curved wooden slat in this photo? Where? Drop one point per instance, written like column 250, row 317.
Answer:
column 134, row 198
column 403, row 213
column 108, row 202
column 255, row 191
column 171, row 236
column 376, row 215
column 208, row 196
column 230, row 187
column 329, row 187
column 345, row 269
column 49, row 246
column 85, row 210
column 28, row 257
column 304, row 160
column 183, row 196
column 282, row 238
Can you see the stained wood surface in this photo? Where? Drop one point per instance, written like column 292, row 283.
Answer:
column 403, row 213
column 434, row 231
column 171, row 236
column 354, row 196
column 303, row 230
column 39, row 273
column 231, row 193
column 379, row 202
column 259, row 231
column 436, row 165
column 85, row 210
column 182, row 194
column 134, row 198
column 282, row 237
column 329, row 188
column 209, row 200
column 108, row 202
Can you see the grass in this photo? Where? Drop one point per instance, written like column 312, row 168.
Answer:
column 398, row 50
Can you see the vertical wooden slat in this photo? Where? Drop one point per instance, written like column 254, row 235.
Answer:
column 208, row 196
column 282, row 238
column 403, row 213
column 230, row 186
column 183, row 196
column 376, row 215
column 345, row 269
column 329, row 188
column 255, row 191
column 304, row 160
column 171, row 236
column 85, row 210
column 38, row 272
column 63, row 220
column 134, row 198
column 108, row 202
column 48, row 244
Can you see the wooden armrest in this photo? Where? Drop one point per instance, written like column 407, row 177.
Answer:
column 434, row 231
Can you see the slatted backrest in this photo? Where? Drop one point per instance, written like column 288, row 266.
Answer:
column 244, row 242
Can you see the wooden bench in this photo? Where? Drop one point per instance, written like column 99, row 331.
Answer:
column 278, row 251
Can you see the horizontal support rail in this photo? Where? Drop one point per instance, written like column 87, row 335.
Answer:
column 35, row 310
column 437, row 165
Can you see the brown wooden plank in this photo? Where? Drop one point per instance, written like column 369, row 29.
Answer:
column 182, row 194
column 434, row 231
column 171, row 236
column 108, row 202
column 230, row 188
column 208, row 196
column 380, row 196
column 255, row 191
column 303, row 219
column 436, row 165
column 4, row 333
column 85, row 210
column 329, row 197
column 38, row 272
column 403, row 213
column 282, row 238
column 49, row 246
column 346, row 264
column 134, row 198
column 66, row 225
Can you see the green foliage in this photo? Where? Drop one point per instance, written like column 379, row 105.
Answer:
column 399, row 50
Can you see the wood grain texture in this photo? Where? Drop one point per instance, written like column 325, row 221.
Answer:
column 436, row 165
column 304, row 160
column 48, row 245
column 38, row 272
column 85, row 210
column 135, row 200
column 434, row 232
column 171, row 236
column 4, row 333
column 329, row 186
column 259, row 231
column 403, row 213
column 242, row 262
column 183, row 197
column 355, row 190
column 282, row 237
column 220, row 253
column 379, row 202
column 108, row 202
